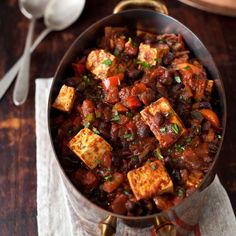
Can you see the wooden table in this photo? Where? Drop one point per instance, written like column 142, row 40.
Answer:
column 17, row 124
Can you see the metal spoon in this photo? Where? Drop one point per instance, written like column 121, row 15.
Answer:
column 32, row 9
column 59, row 15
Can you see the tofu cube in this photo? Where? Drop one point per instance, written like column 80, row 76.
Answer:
column 89, row 147
column 172, row 128
column 101, row 63
column 65, row 99
column 152, row 55
column 150, row 180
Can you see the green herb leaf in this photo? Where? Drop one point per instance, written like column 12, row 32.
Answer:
column 135, row 44
column 87, row 124
column 179, row 148
column 175, row 128
column 116, row 116
column 154, row 167
column 108, row 178
column 188, row 139
column 86, row 79
column 128, row 136
column 129, row 39
column 98, row 161
column 181, row 192
column 163, row 129
column 107, row 62
column 178, row 79
column 129, row 114
column 158, row 60
column 95, row 130
column 169, row 151
column 187, row 68
column 134, row 158
column 157, row 154
column 116, row 52
column 176, row 174
column 126, row 192
column 144, row 64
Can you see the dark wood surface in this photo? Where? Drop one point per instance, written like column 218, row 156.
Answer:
column 17, row 124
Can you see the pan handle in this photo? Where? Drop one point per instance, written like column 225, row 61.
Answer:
column 155, row 4
column 162, row 226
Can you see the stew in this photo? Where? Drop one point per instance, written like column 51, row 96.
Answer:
column 136, row 126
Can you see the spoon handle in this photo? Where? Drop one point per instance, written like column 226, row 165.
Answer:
column 21, row 88
column 8, row 78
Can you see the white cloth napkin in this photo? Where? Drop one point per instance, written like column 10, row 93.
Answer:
column 57, row 217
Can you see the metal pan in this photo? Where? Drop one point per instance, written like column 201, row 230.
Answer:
column 174, row 220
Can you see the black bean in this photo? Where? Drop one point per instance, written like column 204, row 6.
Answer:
column 213, row 148
column 205, row 105
column 168, row 58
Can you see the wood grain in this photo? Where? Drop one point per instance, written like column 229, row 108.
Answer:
column 17, row 124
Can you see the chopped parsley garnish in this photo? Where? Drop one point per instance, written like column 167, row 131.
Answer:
column 130, row 40
column 163, row 130
column 188, row 139
column 179, row 148
column 98, row 161
column 126, row 192
column 108, row 178
column 134, row 158
column 187, row 68
column 116, row 52
column 128, row 136
column 144, row 64
column 116, row 116
column 178, row 79
column 154, row 167
column 175, row 174
column 158, row 60
column 157, row 154
column 86, row 79
column 135, row 44
column 129, row 114
column 107, row 62
column 169, row 151
column 175, row 128
column 87, row 124
column 95, row 130
column 181, row 192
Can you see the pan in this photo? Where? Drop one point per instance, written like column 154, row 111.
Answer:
column 180, row 219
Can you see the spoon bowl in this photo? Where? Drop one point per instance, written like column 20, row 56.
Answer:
column 60, row 15
column 33, row 8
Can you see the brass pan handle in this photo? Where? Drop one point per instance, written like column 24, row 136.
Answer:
column 162, row 226
column 155, row 4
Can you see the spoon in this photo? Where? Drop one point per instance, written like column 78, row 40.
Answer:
column 59, row 15
column 32, row 9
